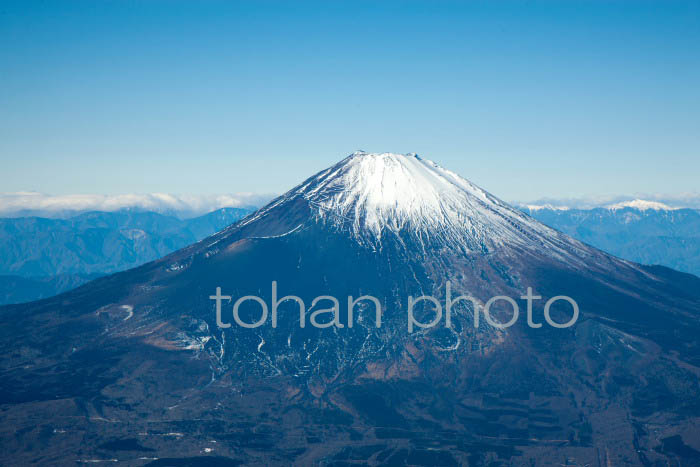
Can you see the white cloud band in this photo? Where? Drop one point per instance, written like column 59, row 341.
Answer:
column 40, row 204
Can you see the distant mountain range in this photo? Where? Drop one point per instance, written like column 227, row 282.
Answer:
column 646, row 232
column 41, row 257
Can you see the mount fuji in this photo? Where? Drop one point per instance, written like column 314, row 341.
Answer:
column 132, row 367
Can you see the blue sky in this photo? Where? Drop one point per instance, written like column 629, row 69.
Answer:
column 527, row 99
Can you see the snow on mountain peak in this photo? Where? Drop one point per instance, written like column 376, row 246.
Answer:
column 385, row 190
column 371, row 195
column 541, row 207
column 642, row 205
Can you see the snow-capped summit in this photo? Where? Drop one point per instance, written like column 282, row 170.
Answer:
column 543, row 207
column 376, row 196
column 389, row 191
column 641, row 205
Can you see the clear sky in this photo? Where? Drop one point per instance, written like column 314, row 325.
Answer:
column 525, row 98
